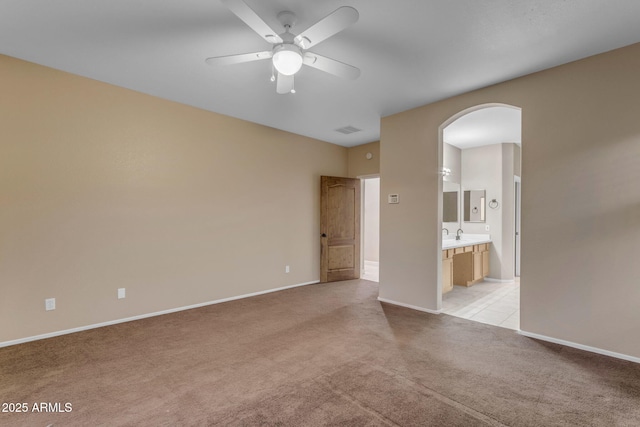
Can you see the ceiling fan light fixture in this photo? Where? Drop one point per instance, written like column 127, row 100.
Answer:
column 287, row 59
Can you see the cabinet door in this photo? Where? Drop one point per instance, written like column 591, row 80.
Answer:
column 485, row 263
column 447, row 275
column 477, row 266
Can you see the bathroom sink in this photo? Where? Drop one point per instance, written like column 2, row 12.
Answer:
column 451, row 242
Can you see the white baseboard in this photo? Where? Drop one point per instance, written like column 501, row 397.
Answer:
column 413, row 307
column 581, row 347
column 490, row 279
column 144, row 316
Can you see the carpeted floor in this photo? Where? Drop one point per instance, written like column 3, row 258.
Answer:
column 316, row 355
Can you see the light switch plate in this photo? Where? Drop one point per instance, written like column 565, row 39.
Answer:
column 393, row 198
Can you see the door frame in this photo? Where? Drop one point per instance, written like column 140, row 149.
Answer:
column 339, row 241
column 517, row 235
column 439, row 177
column 363, row 229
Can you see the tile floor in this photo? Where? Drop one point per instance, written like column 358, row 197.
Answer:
column 486, row 302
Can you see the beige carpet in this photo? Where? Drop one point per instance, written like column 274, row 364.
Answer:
column 317, row 355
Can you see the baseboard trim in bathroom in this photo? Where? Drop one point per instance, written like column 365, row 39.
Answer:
column 581, row 346
column 489, row 279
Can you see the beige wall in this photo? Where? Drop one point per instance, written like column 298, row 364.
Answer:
column 102, row 187
column 359, row 165
column 580, row 207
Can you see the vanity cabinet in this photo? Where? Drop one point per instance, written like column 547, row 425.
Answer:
column 464, row 266
column 447, row 270
column 485, row 261
column 477, row 266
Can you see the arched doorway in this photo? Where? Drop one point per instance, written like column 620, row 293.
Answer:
column 480, row 151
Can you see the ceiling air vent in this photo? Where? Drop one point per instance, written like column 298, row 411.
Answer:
column 348, row 129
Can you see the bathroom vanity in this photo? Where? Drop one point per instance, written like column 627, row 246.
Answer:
column 465, row 262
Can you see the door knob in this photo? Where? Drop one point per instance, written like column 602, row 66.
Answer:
column 323, row 235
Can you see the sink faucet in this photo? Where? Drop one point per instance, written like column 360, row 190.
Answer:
column 444, row 229
column 458, row 233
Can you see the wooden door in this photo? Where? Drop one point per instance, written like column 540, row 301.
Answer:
column 339, row 229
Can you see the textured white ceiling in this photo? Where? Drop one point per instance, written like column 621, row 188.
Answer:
column 411, row 52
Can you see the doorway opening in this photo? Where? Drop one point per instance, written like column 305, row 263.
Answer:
column 481, row 177
column 370, row 228
column 517, row 187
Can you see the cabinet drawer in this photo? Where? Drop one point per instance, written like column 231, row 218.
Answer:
column 480, row 248
column 463, row 250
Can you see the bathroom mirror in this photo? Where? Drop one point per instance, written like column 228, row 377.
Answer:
column 450, row 203
column 474, row 206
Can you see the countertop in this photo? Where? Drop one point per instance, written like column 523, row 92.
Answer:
column 450, row 242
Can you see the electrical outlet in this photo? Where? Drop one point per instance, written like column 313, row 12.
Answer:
column 121, row 293
column 286, row 269
column 50, row 304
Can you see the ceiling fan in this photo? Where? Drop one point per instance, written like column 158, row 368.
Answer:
column 289, row 51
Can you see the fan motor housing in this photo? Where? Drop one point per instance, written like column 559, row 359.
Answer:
column 287, row 19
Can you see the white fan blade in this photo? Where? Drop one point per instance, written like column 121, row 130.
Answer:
column 331, row 66
column 331, row 24
column 244, row 12
column 284, row 84
column 237, row 59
